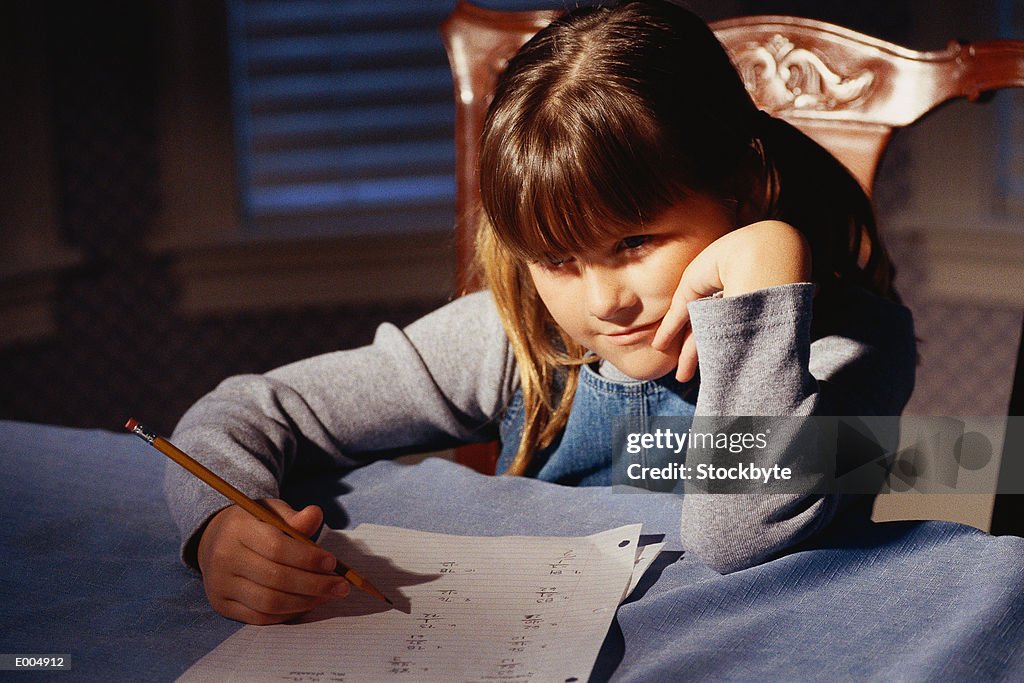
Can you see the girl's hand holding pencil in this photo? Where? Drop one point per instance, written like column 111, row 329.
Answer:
column 251, row 571
column 254, row 573
column 756, row 256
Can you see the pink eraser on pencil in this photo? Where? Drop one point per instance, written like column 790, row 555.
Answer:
column 131, row 424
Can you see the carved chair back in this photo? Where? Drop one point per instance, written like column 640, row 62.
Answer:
column 846, row 90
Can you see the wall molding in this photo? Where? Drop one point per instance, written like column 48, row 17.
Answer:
column 266, row 275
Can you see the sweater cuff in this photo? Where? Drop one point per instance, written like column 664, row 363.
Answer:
column 753, row 350
column 720, row 318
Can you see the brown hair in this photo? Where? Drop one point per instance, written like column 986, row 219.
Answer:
column 602, row 121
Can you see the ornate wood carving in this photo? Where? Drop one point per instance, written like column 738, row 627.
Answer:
column 781, row 76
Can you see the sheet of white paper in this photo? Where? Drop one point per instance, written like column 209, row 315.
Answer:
column 645, row 554
column 471, row 608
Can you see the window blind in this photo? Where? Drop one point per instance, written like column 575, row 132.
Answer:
column 1010, row 125
column 343, row 115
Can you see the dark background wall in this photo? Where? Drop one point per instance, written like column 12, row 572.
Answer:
column 119, row 343
column 102, row 316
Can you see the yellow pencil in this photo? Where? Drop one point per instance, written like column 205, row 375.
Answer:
column 251, row 506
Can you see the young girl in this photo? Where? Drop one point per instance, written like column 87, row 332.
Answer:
column 640, row 214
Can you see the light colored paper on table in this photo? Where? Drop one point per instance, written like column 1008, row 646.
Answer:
column 477, row 608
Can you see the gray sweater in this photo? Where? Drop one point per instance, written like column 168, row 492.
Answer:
column 447, row 378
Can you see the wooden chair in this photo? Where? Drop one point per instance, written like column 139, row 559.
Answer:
column 846, row 90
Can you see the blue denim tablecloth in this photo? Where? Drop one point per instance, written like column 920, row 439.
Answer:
column 90, row 570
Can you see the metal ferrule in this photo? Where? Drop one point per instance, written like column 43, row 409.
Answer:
column 141, row 432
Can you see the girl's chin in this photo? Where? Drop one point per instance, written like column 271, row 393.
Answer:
column 650, row 374
column 646, row 364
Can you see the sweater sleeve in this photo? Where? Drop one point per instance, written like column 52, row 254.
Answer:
column 757, row 357
column 440, row 381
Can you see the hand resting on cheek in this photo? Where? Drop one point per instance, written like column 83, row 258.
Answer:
column 756, row 256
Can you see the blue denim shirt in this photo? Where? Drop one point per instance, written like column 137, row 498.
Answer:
column 582, row 454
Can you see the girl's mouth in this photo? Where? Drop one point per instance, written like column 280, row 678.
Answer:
column 633, row 335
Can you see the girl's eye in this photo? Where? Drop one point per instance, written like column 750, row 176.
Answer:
column 552, row 261
column 635, row 241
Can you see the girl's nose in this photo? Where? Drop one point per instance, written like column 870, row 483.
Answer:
column 606, row 295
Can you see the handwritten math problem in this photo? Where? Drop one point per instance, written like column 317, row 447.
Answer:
column 473, row 608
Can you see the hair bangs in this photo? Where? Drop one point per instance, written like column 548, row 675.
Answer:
column 577, row 173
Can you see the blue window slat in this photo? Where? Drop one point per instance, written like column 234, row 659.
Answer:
column 356, row 195
column 350, row 86
column 351, row 120
column 300, row 50
column 395, row 156
column 312, row 12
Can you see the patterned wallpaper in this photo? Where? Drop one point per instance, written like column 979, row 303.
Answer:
column 967, row 351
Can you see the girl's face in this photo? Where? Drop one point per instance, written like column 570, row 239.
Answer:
column 611, row 299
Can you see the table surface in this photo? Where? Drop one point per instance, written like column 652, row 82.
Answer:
column 90, row 570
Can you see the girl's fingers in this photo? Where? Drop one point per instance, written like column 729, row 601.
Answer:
column 273, row 544
column 307, row 520
column 288, row 579
column 687, row 359
column 269, row 601
column 699, row 279
column 240, row 611
column 256, row 574
column 674, row 322
column 243, row 593
column 678, row 316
